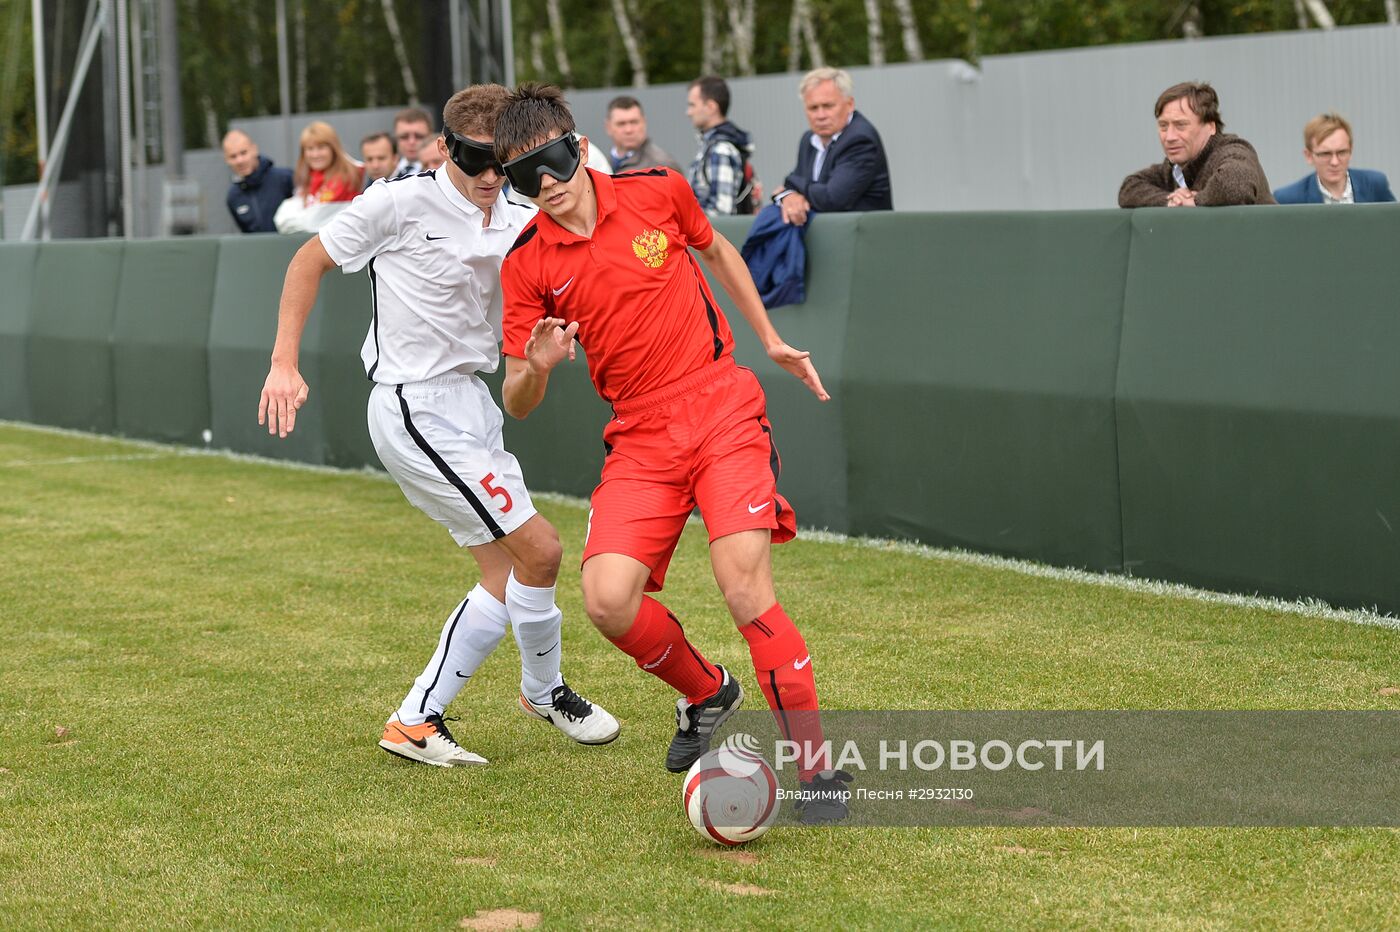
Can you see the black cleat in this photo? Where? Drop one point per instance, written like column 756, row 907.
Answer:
column 824, row 798
column 696, row 724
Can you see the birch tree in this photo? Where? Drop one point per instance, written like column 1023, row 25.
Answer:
column 709, row 52
column 561, row 53
column 875, row 32
column 741, row 29
column 299, row 41
column 391, row 21
column 909, row 30
column 630, row 43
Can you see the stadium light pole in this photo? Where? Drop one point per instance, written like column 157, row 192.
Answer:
column 41, row 107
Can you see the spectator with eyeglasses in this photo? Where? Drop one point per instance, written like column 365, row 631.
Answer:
column 1327, row 147
column 412, row 128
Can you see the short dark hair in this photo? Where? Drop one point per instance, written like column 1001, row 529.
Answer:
column 533, row 113
column 712, row 87
column 473, row 111
column 375, row 137
column 413, row 115
column 1200, row 98
column 624, row 102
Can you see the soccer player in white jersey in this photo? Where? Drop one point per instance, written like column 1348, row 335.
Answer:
column 433, row 243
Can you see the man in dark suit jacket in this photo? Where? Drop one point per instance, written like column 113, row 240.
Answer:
column 840, row 161
column 1327, row 147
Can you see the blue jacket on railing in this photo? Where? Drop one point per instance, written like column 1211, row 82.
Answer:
column 254, row 200
column 776, row 254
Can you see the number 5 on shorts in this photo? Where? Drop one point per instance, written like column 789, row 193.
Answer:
column 495, row 491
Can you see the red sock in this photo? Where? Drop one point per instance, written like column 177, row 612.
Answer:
column 657, row 642
column 784, row 670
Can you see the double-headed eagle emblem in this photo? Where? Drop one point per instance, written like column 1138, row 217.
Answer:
column 650, row 247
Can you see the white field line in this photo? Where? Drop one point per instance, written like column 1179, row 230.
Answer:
column 70, row 460
column 1308, row 608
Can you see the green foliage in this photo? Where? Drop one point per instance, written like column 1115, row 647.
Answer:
column 229, row 47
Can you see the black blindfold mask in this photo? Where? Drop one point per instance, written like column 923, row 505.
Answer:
column 471, row 156
column 557, row 158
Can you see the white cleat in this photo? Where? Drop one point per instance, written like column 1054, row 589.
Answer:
column 428, row 743
column 575, row 716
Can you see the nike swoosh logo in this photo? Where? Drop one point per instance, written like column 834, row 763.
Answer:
column 659, row 660
column 560, row 290
column 463, row 676
column 799, row 664
column 542, row 653
column 755, row 510
column 432, row 238
column 416, row 742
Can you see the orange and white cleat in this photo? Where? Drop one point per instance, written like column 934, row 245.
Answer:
column 574, row 715
column 428, row 743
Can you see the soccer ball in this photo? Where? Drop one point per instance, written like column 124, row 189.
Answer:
column 730, row 794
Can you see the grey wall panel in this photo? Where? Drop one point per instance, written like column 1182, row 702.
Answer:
column 70, row 344
column 160, row 339
column 17, row 265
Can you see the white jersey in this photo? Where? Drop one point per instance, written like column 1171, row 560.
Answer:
column 434, row 271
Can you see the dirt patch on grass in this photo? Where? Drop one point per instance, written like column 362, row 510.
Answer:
column 731, row 855
column 1388, row 691
column 497, row 920
column 1017, row 849
column 740, row 889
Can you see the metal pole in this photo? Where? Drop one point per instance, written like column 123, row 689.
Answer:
column 173, row 118
column 138, row 94
column 284, row 81
column 41, row 104
column 508, row 42
column 124, row 115
column 454, row 29
column 54, row 165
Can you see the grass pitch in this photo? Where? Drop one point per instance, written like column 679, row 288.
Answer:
column 199, row 652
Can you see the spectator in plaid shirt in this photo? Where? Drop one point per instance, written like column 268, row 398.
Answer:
column 720, row 176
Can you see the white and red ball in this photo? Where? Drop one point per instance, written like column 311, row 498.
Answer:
column 730, row 793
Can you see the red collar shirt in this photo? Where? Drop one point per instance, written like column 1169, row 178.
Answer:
column 646, row 315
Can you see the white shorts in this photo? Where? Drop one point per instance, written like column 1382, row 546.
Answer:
column 441, row 441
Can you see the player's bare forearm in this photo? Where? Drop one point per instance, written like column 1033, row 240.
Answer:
column 725, row 263
column 523, row 388
column 299, row 289
column 550, row 343
column 284, row 390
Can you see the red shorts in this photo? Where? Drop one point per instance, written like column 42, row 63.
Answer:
column 702, row 440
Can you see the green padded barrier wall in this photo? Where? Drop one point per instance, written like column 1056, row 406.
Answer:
column 807, row 432
column 70, row 343
column 160, row 359
column 1259, row 401
column 241, row 332
column 980, row 363
column 345, row 309
column 17, row 262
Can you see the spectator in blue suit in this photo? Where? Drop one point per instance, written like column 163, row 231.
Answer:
column 1327, row 147
column 840, row 161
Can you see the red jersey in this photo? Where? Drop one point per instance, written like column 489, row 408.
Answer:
column 646, row 315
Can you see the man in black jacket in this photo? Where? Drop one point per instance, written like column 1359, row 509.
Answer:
column 840, row 162
column 258, row 186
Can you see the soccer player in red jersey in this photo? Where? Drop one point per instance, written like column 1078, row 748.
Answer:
column 607, row 262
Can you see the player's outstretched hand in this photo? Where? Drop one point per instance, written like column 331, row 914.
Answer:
column 799, row 363
column 283, row 392
column 550, row 343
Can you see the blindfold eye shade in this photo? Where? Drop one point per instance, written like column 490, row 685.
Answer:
column 471, row 156
column 557, row 158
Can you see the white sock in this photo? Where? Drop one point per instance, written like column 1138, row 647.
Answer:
column 536, row 621
column 471, row 633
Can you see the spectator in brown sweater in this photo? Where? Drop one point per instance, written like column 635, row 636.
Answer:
column 1205, row 166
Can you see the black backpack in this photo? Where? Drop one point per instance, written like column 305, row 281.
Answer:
column 744, row 201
